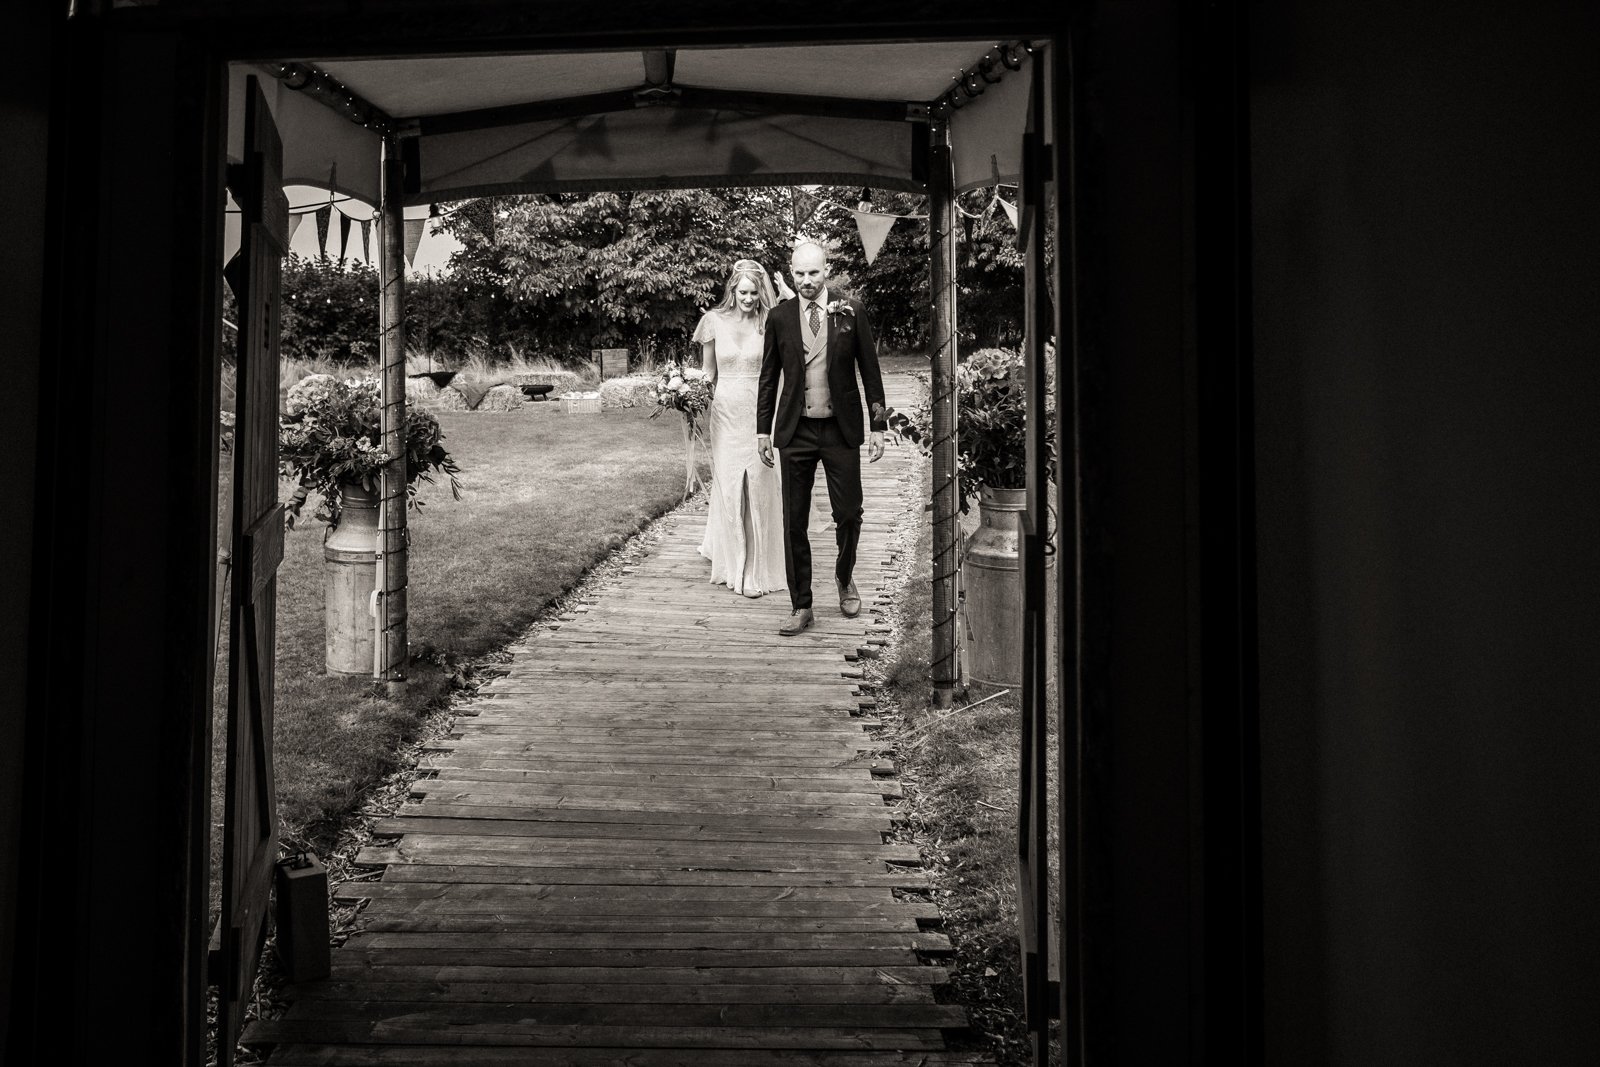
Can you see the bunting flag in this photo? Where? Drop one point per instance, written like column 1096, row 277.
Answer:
column 874, row 230
column 324, row 216
column 1010, row 210
column 294, row 224
column 414, row 228
column 366, row 240
column 344, row 235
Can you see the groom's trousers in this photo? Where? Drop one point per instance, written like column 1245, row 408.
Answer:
column 814, row 440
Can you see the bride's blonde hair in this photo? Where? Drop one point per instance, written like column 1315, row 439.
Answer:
column 766, row 295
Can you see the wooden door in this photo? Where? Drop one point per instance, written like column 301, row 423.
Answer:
column 1033, row 878
column 250, row 816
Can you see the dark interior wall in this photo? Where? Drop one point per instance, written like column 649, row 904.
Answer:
column 1427, row 312
column 1138, row 587
column 24, row 116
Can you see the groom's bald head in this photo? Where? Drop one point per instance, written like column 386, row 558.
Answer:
column 809, row 267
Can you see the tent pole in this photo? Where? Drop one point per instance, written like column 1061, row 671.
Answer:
column 946, row 488
column 392, row 352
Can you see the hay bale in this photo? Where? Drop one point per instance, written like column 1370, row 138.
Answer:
column 421, row 391
column 448, row 399
column 629, row 392
column 501, row 398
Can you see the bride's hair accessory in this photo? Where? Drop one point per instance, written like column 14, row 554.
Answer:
column 766, row 295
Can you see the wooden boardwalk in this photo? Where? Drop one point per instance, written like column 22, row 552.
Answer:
column 659, row 840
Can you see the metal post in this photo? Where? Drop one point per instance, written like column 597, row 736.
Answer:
column 946, row 489
column 392, row 349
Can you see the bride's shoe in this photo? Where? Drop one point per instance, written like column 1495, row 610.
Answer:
column 757, row 595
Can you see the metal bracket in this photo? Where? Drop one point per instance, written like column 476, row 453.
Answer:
column 656, row 95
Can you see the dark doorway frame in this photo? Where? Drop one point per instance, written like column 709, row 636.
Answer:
column 118, row 724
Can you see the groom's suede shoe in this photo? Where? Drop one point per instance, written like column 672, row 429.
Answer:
column 849, row 599
column 798, row 622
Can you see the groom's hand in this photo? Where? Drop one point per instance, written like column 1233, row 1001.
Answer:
column 875, row 446
column 764, row 448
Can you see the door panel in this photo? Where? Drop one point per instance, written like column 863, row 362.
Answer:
column 250, row 815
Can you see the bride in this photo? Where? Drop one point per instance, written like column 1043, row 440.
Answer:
column 744, row 526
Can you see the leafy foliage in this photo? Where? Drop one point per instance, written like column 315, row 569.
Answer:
column 895, row 286
column 330, row 309
column 991, row 423
column 568, row 273
column 558, row 275
column 330, row 435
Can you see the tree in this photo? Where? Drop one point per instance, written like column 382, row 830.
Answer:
column 989, row 269
column 330, row 309
column 618, row 269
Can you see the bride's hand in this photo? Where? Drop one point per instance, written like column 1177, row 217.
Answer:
column 784, row 292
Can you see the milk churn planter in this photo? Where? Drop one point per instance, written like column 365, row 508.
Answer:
column 992, row 452
column 329, row 440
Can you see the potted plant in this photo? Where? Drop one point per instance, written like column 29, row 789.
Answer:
column 330, row 440
column 992, row 468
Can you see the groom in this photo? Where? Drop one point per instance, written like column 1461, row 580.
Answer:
column 818, row 341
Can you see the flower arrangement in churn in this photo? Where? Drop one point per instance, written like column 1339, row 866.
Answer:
column 687, row 391
column 330, row 435
column 991, row 423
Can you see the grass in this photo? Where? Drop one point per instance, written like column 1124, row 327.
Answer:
column 962, row 772
column 548, row 495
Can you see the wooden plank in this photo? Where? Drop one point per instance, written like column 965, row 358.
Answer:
column 353, row 955
column 547, row 768
column 742, row 977
column 630, row 852
column 514, row 1018
column 429, row 1032
column 513, row 940
column 493, row 872
column 616, row 899
column 587, row 807
column 616, row 992
column 578, row 793
column 432, row 919
column 426, row 824
column 871, row 819
column 300, row 1055
column 666, row 746
column 701, row 737
column 616, row 860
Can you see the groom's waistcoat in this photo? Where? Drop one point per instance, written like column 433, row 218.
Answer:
column 819, row 398
column 795, row 360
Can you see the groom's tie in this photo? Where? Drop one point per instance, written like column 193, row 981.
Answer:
column 816, row 319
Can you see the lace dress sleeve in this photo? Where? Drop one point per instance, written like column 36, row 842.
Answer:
column 707, row 329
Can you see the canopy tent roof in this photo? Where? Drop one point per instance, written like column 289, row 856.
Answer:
column 764, row 115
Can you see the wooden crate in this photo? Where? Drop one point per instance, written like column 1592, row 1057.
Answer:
column 613, row 362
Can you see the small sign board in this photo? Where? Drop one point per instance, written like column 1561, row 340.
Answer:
column 613, row 362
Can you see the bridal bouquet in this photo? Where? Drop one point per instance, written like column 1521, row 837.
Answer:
column 686, row 390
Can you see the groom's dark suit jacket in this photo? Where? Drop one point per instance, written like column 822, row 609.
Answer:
column 850, row 346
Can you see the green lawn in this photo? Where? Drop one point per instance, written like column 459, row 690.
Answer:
column 547, row 496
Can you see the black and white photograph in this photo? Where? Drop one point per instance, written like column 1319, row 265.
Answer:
column 922, row 534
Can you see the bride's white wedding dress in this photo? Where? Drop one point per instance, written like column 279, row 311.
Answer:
column 744, row 525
